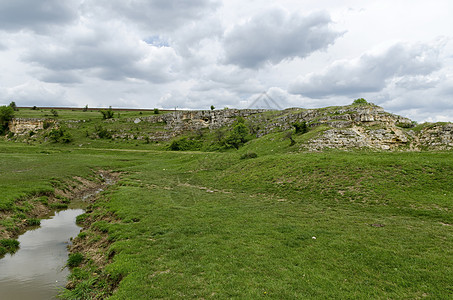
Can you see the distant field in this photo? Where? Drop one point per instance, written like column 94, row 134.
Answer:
column 211, row 225
column 79, row 114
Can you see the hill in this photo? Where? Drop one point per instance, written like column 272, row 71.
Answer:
column 356, row 126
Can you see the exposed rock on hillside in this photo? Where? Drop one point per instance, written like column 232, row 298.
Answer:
column 21, row 126
column 344, row 127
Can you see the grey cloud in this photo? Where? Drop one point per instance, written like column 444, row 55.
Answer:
column 153, row 15
column 110, row 56
column 63, row 77
column 35, row 15
column 276, row 35
column 370, row 72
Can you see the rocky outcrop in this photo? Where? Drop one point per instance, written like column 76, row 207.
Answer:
column 344, row 127
column 22, row 126
column 180, row 121
column 360, row 137
column 437, row 136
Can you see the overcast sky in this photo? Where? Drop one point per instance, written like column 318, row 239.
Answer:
column 198, row 53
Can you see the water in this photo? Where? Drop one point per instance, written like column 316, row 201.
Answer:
column 36, row 270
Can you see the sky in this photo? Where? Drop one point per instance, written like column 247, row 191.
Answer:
column 182, row 54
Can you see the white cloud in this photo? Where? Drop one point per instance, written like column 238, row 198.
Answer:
column 36, row 93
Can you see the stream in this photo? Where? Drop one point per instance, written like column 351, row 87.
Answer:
column 36, row 271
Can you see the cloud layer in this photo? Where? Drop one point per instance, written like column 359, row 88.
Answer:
column 193, row 54
column 371, row 72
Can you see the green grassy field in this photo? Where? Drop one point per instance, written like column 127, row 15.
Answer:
column 283, row 225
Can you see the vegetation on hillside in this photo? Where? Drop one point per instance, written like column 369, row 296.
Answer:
column 257, row 219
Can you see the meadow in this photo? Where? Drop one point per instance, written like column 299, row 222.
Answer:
column 282, row 225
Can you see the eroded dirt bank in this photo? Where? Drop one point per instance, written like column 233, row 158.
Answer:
column 30, row 209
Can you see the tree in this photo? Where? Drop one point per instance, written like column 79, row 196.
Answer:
column 85, row 108
column 156, row 111
column 360, row 101
column 13, row 106
column 6, row 114
column 212, row 107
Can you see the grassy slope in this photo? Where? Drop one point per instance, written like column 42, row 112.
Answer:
column 210, row 225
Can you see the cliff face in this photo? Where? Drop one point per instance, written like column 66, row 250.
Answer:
column 22, row 126
column 346, row 127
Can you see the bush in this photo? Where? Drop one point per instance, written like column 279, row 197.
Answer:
column 360, row 101
column 406, row 125
column 6, row 114
column 75, row 259
column 185, row 144
column 107, row 114
column 238, row 136
column 57, row 135
column 13, row 106
column 301, row 127
column 102, row 133
column 249, row 155
column 54, row 112
column 156, row 111
column 47, row 124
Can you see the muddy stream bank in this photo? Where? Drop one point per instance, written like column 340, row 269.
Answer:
column 37, row 270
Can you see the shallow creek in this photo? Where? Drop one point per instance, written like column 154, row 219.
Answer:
column 36, row 271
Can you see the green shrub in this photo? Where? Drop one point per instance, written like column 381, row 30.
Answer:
column 238, row 136
column 6, row 114
column 47, row 124
column 360, row 101
column 156, row 111
column 102, row 132
column 75, row 259
column 249, row 155
column 406, row 125
column 107, row 114
column 185, row 144
column 61, row 134
column 10, row 245
column 301, row 127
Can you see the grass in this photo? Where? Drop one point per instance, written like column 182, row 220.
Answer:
column 198, row 225
column 8, row 246
column 282, row 225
